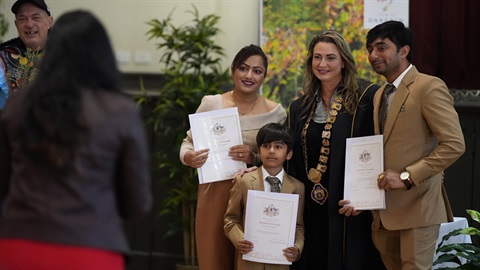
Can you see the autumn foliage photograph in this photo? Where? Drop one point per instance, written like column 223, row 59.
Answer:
column 289, row 25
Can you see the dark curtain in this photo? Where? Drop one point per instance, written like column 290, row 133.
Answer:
column 447, row 40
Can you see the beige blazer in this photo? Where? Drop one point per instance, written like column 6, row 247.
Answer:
column 235, row 214
column 423, row 136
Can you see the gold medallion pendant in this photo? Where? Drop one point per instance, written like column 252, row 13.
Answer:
column 319, row 194
column 314, row 175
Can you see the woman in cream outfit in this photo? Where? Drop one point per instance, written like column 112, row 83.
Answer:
column 249, row 69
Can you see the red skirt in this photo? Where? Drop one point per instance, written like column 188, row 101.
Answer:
column 18, row 254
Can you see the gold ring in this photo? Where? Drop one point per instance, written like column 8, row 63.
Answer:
column 380, row 177
column 240, row 155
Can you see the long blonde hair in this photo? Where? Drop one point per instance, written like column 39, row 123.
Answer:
column 311, row 84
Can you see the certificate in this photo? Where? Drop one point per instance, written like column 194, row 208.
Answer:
column 363, row 164
column 270, row 224
column 217, row 130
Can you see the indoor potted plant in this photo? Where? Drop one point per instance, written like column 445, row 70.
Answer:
column 3, row 25
column 463, row 255
column 192, row 70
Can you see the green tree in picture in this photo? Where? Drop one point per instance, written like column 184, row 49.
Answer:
column 346, row 17
column 3, row 24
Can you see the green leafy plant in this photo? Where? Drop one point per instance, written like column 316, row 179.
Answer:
column 454, row 253
column 3, row 25
column 192, row 70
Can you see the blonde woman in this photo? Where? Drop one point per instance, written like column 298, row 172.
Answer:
column 336, row 105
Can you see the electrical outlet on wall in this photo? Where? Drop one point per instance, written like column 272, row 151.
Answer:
column 143, row 57
column 123, row 57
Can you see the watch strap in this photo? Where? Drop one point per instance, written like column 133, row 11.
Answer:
column 408, row 183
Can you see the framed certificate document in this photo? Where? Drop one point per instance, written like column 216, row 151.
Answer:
column 363, row 164
column 270, row 224
column 217, row 130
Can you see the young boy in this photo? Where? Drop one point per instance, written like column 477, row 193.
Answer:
column 274, row 142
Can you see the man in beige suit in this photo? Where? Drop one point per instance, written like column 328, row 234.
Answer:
column 274, row 146
column 422, row 137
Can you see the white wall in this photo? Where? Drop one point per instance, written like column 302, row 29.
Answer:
column 125, row 21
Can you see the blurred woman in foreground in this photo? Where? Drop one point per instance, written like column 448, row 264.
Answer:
column 74, row 158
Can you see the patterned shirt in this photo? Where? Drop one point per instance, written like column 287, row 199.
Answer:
column 17, row 67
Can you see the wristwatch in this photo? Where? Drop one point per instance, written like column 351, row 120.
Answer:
column 405, row 178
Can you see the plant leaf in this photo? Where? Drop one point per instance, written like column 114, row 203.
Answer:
column 474, row 214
